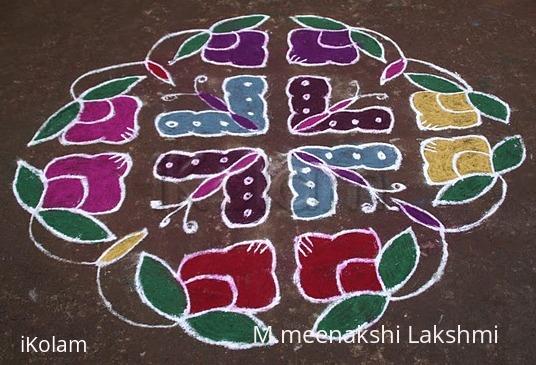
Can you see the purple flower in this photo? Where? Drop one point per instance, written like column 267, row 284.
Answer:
column 113, row 121
column 321, row 47
column 91, row 183
column 243, row 48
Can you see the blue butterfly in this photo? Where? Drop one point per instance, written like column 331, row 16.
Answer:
column 242, row 111
column 315, row 171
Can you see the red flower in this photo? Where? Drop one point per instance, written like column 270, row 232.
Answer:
column 332, row 266
column 239, row 277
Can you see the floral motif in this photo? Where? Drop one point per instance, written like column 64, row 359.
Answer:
column 319, row 47
column 437, row 111
column 447, row 159
column 244, row 48
column 91, row 183
column 332, row 266
column 112, row 121
column 239, row 277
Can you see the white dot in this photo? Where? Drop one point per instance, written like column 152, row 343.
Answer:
column 249, row 99
column 224, row 159
column 332, row 123
column 329, row 155
column 306, row 170
column 306, row 110
column 251, row 113
column 248, row 84
column 381, row 155
column 248, row 180
column 378, row 119
column 171, row 124
column 195, row 161
column 247, row 196
column 310, row 184
column 355, row 121
column 356, row 155
column 306, row 96
column 196, row 123
column 305, row 83
column 247, row 212
column 223, row 123
column 169, row 165
column 312, row 202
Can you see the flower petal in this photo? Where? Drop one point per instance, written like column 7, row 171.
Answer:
column 319, row 255
column 250, row 265
column 208, row 293
column 66, row 192
column 357, row 276
column 120, row 127
column 104, row 174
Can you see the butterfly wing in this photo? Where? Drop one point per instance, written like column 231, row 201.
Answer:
column 245, row 96
column 177, row 166
column 246, row 201
column 314, row 191
column 308, row 96
column 370, row 156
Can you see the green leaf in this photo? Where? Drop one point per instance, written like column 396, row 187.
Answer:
column 433, row 83
column 508, row 154
column 74, row 226
column 111, row 88
column 491, row 106
column 56, row 123
column 319, row 22
column 28, row 185
column 368, row 44
column 465, row 190
column 239, row 23
column 399, row 259
column 351, row 314
column 230, row 329
column 192, row 45
column 158, row 287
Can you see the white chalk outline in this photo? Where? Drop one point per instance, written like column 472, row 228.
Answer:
column 226, row 95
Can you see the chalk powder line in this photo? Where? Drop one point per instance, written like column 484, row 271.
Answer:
column 360, row 276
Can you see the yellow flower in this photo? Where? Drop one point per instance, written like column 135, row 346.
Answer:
column 436, row 111
column 447, row 159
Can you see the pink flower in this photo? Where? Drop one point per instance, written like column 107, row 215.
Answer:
column 91, row 183
column 332, row 266
column 241, row 276
column 112, row 121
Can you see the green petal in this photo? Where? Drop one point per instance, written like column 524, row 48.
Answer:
column 433, row 83
column 351, row 314
column 28, row 185
column 192, row 45
column 74, row 226
column 158, row 287
column 508, row 154
column 465, row 190
column 319, row 22
column 112, row 88
column 56, row 123
column 491, row 106
column 399, row 259
column 239, row 23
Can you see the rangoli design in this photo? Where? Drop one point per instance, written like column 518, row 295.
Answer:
column 215, row 295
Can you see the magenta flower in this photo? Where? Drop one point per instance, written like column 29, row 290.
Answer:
column 112, row 121
column 242, row 48
column 91, row 183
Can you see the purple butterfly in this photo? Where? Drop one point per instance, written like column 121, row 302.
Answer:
column 309, row 98
column 241, row 172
